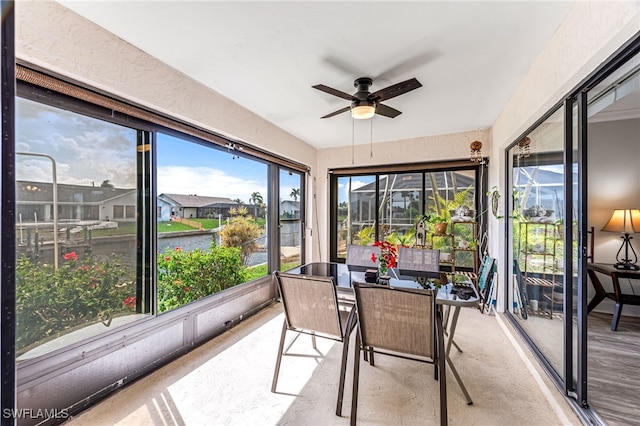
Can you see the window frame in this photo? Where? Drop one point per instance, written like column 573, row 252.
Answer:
column 424, row 168
column 64, row 94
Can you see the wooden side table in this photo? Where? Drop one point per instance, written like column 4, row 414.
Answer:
column 617, row 295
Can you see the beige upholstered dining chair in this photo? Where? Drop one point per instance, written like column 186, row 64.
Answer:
column 399, row 322
column 418, row 260
column 360, row 256
column 311, row 307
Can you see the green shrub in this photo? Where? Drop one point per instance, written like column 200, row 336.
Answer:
column 52, row 302
column 186, row 276
column 242, row 231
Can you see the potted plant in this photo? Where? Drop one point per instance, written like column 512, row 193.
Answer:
column 439, row 224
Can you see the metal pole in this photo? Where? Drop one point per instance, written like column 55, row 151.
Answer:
column 55, row 202
column 7, row 215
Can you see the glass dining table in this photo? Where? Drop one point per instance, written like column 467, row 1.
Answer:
column 458, row 293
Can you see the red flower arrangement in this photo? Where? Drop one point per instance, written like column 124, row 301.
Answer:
column 388, row 255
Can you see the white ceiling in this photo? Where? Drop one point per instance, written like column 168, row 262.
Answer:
column 469, row 56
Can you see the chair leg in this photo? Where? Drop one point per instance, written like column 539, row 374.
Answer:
column 444, row 420
column 343, row 368
column 274, row 383
column 313, row 340
column 356, row 376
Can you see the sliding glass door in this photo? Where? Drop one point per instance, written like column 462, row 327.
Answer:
column 556, row 217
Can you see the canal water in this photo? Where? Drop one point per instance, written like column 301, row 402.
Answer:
column 124, row 246
column 203, row 241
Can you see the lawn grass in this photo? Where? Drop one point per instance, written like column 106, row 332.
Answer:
column 128, row 228
column 207, row 223
column 261, row 270
column 124, row 228
column 173, row 227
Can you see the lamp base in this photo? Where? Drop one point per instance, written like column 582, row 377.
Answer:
column 626, row 266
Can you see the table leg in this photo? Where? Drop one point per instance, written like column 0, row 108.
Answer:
column 459, row 380
column 444, row 327
column 600, row 293
column 452, row 331
column 618, row 296
column 616, row 316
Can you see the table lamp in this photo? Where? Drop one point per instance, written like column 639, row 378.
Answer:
column 625, row 221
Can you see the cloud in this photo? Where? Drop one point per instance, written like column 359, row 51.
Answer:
column 85, row 150
column 343, row 188
column 207, row 181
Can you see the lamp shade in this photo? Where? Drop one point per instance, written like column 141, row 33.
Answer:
column 624, row 221
column 362, row 112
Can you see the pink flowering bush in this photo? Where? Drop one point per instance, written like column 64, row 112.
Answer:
column 52, row 302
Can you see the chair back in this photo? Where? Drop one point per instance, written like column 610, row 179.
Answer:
column 419, row 261
column 396, row 319
column 359, row 257
column 310, row 303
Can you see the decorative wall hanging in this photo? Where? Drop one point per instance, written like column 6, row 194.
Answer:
column 523, row 147
column 476, row 151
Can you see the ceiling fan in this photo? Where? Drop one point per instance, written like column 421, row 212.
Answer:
column 365, row 104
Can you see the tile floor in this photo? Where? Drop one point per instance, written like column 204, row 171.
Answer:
column 227, row 381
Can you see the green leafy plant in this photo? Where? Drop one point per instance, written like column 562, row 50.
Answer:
column 443, row 207
column 51, row 302
column 406, row 239
column 366, row 236
column 436, row 218
column 186, row 276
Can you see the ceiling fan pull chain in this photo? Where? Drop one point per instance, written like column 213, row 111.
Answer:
column 371, row 138
column 353, row 125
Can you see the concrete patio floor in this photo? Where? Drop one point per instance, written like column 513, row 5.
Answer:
column 227, row 381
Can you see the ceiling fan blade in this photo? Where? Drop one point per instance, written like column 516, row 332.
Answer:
column 387, row 111
column 333, row 92
column 340, row 111
column 395, row 90
column 408, row 66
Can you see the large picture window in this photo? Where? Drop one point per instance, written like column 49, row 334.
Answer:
column 212, row 232
column 120, row 218
column 77, row 272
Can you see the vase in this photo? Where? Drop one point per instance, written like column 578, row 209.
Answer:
column 382, row 269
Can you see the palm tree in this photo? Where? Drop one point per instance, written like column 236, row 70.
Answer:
column 257, row 200
column 238, row 201
column 295, row 193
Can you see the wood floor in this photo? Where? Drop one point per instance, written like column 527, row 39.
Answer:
column 614, row 369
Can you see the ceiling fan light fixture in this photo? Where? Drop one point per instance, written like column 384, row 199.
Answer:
column 363, row 112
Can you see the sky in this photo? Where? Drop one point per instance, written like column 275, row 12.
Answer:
column 88, row 151
column 191, row 168
column 356, row 182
